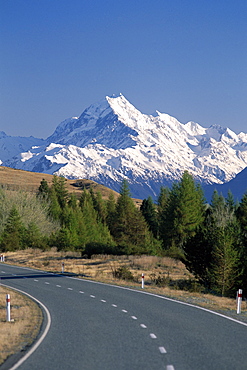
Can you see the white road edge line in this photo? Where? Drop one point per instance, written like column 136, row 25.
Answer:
column 159, row 296
column 40, row 340
column 137, row 291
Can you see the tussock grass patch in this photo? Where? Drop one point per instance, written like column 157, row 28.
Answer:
column 26, row 321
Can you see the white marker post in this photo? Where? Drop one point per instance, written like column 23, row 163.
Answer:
column 142, row 281
column 239, row 300
column 7, row 307
column 62, row 267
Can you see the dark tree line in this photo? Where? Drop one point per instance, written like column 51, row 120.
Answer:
column 210, row 239
column 88, row 224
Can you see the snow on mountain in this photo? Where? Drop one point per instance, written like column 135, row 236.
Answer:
column 10, row 146
column 112, row 140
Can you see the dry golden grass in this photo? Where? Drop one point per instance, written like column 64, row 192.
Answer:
column 30, row 181
column 15, row 179
column 163, row 275
column 26, row 319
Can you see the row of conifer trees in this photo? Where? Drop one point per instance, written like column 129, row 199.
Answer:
column 210, row 239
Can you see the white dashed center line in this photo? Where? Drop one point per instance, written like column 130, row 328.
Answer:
column 152, row 335
column 163, row 350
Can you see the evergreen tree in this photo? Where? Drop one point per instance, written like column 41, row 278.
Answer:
column 149, row 212
column 43, row 190
column 100, row 207
column 198, row 254
column 60, row 189
column 230, row 202
column 13, row 233
column 111, row 212
column 54, row 207
column 242, row 219
column 184, row 212
column 163, row 200
column 72, row 201
column 33, row 237
column 226, row 269
column 130, row 230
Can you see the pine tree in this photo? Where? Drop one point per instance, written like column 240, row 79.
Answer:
column 13, row 234
column 242, row 219
column 111, row 212
column 225, row 268
column 198, row 254
column 130, row 230
column 184, row 212
column 100, row 207
column 60, row 189
column 226, row 245
column 149, row 212
column 33, row 237
column 163, row 200
column 54, row 207
column 72, row 201
column 43, row 191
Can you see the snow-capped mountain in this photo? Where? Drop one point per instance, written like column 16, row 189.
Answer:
column 11, row 146
column 112, row 140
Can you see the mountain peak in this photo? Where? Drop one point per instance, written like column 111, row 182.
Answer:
column 112, row 140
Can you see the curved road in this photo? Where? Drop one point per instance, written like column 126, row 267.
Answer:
column 98, row 326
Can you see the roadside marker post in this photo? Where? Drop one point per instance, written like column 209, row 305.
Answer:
column 62, row 267
column 239, row 300
column 8, row 307
column 142, row 281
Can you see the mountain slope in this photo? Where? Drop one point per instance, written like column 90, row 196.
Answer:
column 112, row 140
column 10, row 146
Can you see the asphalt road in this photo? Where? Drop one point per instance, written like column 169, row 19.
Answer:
column 98, row 326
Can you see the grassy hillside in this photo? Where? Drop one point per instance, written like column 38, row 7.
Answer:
column 29, row 181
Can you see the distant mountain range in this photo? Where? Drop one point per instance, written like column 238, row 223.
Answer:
column 112, row 141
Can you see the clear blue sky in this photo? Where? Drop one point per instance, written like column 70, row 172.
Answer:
column 187, row 58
